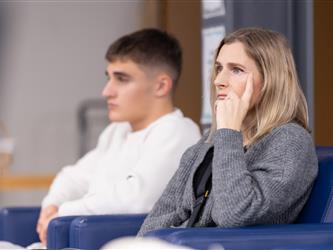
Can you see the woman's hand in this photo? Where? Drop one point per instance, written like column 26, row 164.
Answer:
column 231, row 111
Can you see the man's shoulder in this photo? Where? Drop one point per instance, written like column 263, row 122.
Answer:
column 173, row 128
column 176, row 122
column 113, row 131
column 115, row 127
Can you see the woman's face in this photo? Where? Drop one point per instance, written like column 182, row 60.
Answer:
column 232, row 68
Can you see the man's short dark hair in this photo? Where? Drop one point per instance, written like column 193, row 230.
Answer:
column 149, row 47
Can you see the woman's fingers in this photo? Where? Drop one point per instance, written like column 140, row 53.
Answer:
column 232, row 96
column 248, row 92
column 231, row 111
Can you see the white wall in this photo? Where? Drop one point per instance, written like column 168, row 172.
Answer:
column 53, row 59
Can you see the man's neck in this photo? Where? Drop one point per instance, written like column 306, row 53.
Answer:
column 156, row 113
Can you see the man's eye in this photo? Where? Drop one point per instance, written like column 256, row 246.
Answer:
column 122, row 79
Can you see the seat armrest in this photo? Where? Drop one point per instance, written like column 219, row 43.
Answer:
column 58, row 232
column 322, row 246
column 18, row 225
column 92, row 232
column 248, row 238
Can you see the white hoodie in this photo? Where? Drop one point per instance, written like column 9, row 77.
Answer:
column 127, row 171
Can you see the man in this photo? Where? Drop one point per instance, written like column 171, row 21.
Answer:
column 139, row 151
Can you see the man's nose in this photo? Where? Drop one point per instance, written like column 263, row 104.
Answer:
column 108, row 90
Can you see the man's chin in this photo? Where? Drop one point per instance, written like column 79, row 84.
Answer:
column 116, row 118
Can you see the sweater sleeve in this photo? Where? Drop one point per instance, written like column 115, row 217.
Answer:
column 72, row 182
column 141, row 186
column 257, row 191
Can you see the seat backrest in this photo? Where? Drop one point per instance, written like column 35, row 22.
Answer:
column 319, row 207
column 58, row 232
column 18, row 225
column 93, row 231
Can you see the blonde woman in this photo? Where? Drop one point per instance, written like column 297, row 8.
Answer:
column 258, row 163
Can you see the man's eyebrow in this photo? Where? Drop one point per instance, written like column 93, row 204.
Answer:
column 120, row 73
column 117, row 73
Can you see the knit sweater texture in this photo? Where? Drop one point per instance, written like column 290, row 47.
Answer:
column 267, row 184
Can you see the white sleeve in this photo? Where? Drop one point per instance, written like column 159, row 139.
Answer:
column 142, row 186
column 72, row 182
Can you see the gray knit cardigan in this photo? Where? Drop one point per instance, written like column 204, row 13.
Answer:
column 267, row 184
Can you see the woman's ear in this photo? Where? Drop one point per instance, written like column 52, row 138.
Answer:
column 164, row 85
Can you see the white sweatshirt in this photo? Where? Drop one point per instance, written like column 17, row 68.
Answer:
column 127, row 171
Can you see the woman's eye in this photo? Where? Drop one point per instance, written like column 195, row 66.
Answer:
column 218, row 69
column 237, row 70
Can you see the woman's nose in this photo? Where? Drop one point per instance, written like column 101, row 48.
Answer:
column 221, row 81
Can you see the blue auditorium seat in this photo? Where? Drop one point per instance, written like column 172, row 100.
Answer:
column 89, row 232
column 92, row 232
column 18, row 225
column 314, row 225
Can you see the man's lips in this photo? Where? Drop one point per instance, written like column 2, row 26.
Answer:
column 111, row 105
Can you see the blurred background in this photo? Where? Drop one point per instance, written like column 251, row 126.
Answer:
column 52, row 71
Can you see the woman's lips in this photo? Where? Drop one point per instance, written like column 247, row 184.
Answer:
column 221, row 96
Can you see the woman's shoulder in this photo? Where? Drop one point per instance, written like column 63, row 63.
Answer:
column 291, row 130
column 288, row 135
column 289, row 142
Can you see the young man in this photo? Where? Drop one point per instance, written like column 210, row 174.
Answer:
column 140, row 150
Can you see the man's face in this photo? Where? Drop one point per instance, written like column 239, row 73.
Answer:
column 129, row 93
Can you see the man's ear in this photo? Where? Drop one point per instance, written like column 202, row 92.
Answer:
column 163, row 85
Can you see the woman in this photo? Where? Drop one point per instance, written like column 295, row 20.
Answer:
column 258, row 163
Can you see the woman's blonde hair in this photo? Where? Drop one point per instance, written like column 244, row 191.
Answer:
column 281, row 99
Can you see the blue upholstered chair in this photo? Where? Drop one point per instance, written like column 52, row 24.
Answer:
column 92, row 232
column 89, row 232
column 320, row 246
column 86, row 232
column 314, row 225
column 18, row 225
column 58, row 232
